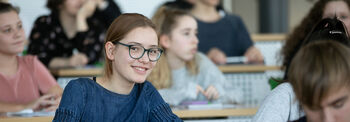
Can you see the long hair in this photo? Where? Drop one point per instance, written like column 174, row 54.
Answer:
column 296, row 38
column 319, row 69
column 119, row 28
column 166, row 19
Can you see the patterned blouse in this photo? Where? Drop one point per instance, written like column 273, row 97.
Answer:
column 48, row 39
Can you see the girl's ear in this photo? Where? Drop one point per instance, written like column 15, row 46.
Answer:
column 164, row 41
column 110, row 47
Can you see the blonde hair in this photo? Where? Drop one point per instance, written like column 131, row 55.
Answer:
column 119, row 28
column 166, row 19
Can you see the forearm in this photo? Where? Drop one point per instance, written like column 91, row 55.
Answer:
column 59, row 62
column 11, row 107
column 56, row 90
column 82, row 25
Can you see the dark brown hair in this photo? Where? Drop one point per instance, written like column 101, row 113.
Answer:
column 54, row 4
column 119, row 28
column 318, row 70
column 6, row 7
column 295, row 39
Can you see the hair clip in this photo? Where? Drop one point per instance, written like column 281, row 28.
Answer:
column 335, row 32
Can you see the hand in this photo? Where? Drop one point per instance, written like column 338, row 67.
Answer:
column 200, row 90
column 43, row 101
column 254, row 56
column 217, row 56
column 87, row 9
column 78, row 59
column 54, row 106
column 211, row 93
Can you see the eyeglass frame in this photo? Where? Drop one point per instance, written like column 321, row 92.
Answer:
column 144, row 50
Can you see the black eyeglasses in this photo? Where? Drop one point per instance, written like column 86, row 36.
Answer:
column 137, row 51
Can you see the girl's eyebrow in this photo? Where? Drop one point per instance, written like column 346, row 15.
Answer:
column 136, row 43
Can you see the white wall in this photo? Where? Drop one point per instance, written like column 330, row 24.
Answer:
column 32, row 9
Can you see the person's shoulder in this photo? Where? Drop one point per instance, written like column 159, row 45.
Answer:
column 81, row 82
column 202, row 60
column 284, row 87
column 43, row 19
column 28, row 60
column 148, row 87
column 284, row 90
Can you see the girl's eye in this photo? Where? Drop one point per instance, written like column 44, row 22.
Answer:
column 8, row 30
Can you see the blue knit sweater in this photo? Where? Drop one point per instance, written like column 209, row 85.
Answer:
column 85, row 100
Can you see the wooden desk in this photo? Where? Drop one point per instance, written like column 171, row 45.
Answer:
column 77, row 72
column 179, row 113
column 268, row 37
column 81, row 72
column 246, row 68
column 216, row 113
column 27, row 119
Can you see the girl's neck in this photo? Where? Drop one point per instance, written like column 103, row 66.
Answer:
column 174, row 61
column 69, row 23
column 116, row 84
column 8, row 64
column 205, row 13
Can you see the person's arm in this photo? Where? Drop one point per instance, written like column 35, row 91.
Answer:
column 215, row 78
column 72, row 103
column 34, row 105
column 107, row 11
column 217, row 56
column 254, row 55
column 47, row 84
column 38, row 38
column 159, row 110
column 11, row 107
column 90, row 36
column 277, row 106
column 75, row 60
column 178, row 93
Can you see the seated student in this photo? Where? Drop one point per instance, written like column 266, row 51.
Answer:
column 321, row 9
column 122, row 94
column 183, row 74
column 280, row 105
column 72, row 35
column 319, row 75
column 222, row 35
column 25, row 83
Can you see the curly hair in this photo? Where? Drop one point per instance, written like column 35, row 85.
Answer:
column 295, row 39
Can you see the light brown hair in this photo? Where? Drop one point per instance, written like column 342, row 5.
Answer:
column 119, row 28
column 319, row 69
column 166, row 19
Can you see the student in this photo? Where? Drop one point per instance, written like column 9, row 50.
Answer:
column 122, row 94
column 25, row 83
column 183, row 74
column 280, row 105
column 222, row 35
column 321, row 9
column 319, row 75
column 72, row 35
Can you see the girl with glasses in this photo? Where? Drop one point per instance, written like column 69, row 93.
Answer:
column 121, row 94
column 183, row 74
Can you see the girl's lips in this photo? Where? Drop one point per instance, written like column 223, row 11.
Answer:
column 19, row 42
column 140, row 70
